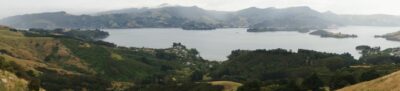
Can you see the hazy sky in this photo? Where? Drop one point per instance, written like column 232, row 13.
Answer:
column 15, row 7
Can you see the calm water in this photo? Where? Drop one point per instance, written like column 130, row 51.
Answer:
column 217, row 44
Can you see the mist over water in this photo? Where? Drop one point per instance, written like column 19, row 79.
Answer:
column 218, row 44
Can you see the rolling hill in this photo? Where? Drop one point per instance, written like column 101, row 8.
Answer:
column 57, row 62
column 180, row 16
column 385, row 83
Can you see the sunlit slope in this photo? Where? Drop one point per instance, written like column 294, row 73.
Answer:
column 228, row 85
column 35, row 49
column 10, row 82
column 22, row 54
column 58, row 63
column 32, row 48
column 386, row 83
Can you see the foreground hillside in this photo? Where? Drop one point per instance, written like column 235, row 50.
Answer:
column 10, row 82
column 65, row 63
column 385, row 83
column 283, row 70
column 56, row 60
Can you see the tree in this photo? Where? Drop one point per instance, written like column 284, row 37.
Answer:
column 6, row 65
column 34, row 85
column 194, row 51
column 197, row 76
column 2, row 58
column 250, row 86
column 369, row 75
column 313, row 82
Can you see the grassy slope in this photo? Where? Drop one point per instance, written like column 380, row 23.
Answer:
column 228, row 85
column 385, row 83
column 41, row 54
column 103, row 61
column 10, row 82
column 27, row 48
column 41, row 50
column 36, row 50
column 67, row 60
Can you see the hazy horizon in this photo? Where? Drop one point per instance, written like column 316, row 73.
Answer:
column 19, row 7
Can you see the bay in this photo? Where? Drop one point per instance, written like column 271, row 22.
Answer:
column 218, row 44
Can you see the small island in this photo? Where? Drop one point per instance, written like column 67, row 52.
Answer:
column 324, row 33
column 395, row 36
column 273, row 29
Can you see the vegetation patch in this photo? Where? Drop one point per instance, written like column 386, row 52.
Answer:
column 116, row 57
column 228, row 85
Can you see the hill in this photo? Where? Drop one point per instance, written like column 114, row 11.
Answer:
column 304, row 70
column 143, row 18
column 293, row 18
column 385, row 83
column 58, row 62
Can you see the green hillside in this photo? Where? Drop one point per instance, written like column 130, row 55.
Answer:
column 55, row 60
column 385, row 83
column 304, row 70
column 56, row 63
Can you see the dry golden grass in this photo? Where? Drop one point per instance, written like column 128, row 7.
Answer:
column 120, row 86
column 228, row 85
column 31, row 48
column 360, row 66
column 25, row 64
column 30, row 52
column 10, row 82
column 386, row 83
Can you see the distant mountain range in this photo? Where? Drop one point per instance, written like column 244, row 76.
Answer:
column 179, row 16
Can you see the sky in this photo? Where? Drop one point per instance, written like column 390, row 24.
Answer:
column 18, row 7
